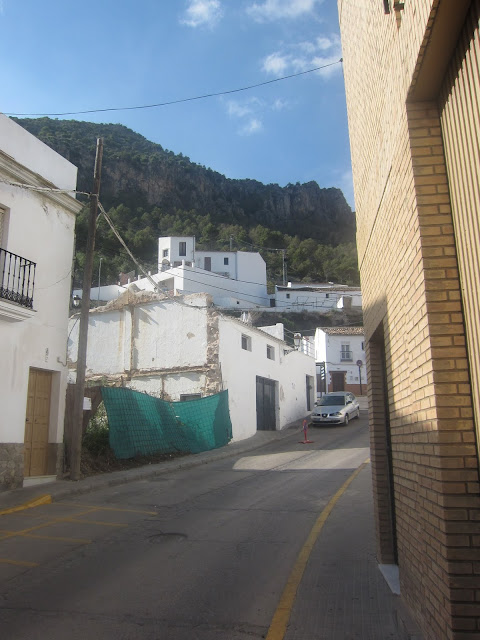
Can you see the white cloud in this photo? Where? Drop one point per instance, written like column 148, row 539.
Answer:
column 296, row 58
column 202, row 13
column 325, row 43
column 275, row 64
column 278, row 9
column 250, row 113
column 254, row 125
column 279, row 105
column 238, row 110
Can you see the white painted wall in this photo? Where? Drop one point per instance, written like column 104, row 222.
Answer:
column 321, row 300
column 225, row 291
column 172, row 245
column 328, row 349
column 157, row 335
column 276, row 330
column 240, row 368
column 169, row 336
column 217, row 261
column 349, row 300
column 104, row 294
column 39, row 227
column 29, row 152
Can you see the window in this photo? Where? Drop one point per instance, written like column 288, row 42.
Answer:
column 225, row 261
column 345, row 353
column 185, row 397
column 288, row 296
column 327, row 295
column 182, row 248
column 246, row 342
column 363, row 346
column 165, row 253
column 270, row 352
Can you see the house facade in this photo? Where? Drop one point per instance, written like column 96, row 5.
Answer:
column 178, row 348
column 320, row 298
column 36, row 252
column 233, row 279
column 412, row 74
column 340, row 358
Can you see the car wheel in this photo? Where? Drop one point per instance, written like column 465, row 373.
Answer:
column 345, row 421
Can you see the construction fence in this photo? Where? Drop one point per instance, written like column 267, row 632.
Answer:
column 143, row 425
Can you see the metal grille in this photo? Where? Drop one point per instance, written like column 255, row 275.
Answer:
column 17, row 278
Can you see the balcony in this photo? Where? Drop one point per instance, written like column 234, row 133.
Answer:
column 17, row 281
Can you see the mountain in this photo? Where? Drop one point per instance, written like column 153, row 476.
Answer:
column 152, row 191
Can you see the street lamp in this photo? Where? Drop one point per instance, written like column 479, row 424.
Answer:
column 297, row 340
column 76, row 301
column 359, row 365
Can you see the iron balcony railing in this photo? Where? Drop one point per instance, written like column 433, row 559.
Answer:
column 17, row 278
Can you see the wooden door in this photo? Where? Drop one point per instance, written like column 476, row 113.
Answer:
column 37, row 422
column 338, row 380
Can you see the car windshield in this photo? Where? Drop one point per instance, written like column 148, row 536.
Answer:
column 329, row 401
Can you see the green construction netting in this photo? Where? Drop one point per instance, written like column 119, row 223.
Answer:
column 142, row 425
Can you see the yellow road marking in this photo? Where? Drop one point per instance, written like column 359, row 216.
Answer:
column 282, row 614
column 54, row 521
column 105, row 524
column 19, row 563
column 36, row 502
column 37, row 537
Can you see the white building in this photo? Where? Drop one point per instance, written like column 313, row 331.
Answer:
column 319, row 298
column 36, row 249
column 180, row 348
column 233, row 279
column 340, row 358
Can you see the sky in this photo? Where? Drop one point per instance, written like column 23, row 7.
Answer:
column 70, row 56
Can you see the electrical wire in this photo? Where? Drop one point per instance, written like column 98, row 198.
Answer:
column 157, row 285
column 181, row 100
column 122, row 242
column 32, row 187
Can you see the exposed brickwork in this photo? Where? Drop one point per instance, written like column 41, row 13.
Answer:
column 413, row 314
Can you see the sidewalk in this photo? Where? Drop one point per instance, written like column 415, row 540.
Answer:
column 342, row 595
column 59, row 489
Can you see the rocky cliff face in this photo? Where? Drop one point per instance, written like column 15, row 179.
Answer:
column 139, row 173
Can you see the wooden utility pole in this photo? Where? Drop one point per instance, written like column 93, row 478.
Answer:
column 76, row 442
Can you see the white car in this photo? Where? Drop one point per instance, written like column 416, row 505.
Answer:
column 337, row 407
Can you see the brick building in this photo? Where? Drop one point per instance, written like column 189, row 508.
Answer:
column 413, row 99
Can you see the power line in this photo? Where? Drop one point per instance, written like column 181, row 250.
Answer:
column 32, row 187
column 180, row 100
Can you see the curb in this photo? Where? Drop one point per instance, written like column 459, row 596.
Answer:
column 117, row 478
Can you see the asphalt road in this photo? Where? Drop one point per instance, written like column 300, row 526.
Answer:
column 201, row 553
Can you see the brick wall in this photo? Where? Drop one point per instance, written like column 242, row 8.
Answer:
column 417, row 361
